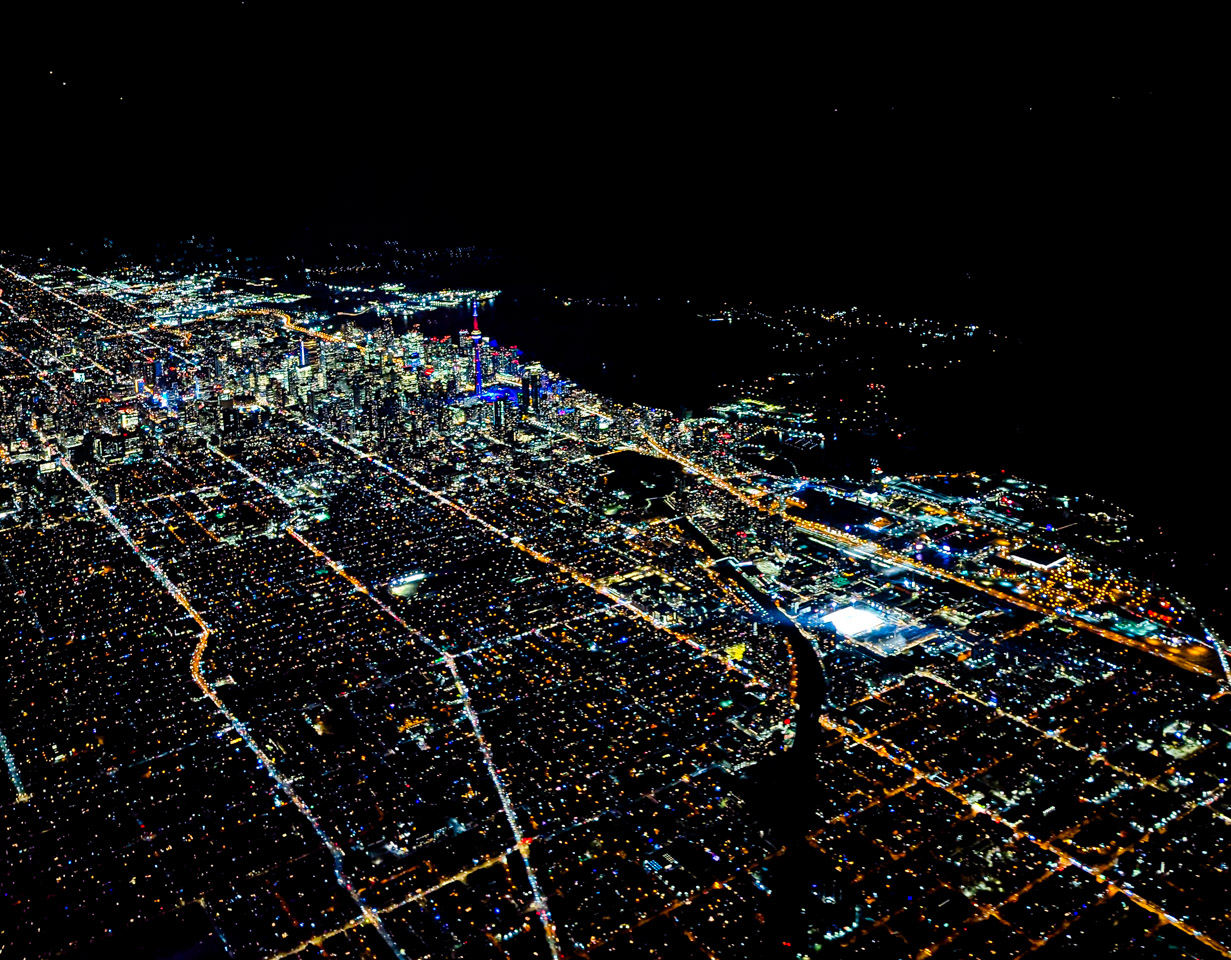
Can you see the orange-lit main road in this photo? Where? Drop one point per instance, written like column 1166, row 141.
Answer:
column 290, row 324
column 413, row 898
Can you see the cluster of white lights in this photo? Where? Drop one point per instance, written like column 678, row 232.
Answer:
column 854, row 621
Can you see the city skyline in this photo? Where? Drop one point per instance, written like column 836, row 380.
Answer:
column 525, row 671
column 611, row 488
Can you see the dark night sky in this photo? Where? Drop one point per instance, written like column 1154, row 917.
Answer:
column 1059, row 187
column 665, row 154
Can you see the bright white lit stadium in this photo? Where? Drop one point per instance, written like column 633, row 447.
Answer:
column 854, row 622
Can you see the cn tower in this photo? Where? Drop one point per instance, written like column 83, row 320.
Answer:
column 477, row 339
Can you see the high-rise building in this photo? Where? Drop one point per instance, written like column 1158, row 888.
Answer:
column 414, row 349
column 530, row 400
column 322, row 376
column 487, row 349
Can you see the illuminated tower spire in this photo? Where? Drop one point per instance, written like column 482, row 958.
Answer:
column 477, row 339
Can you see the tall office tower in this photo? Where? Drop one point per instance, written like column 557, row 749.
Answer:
column 476, row 341
column 371, row 362
column 303, row 382
column 530, row 400
column 414, row 348
column 500, row 416
column 322, row 377
column 211, row 413
column 303, row 353
column 536, row 389
column 489, row 364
